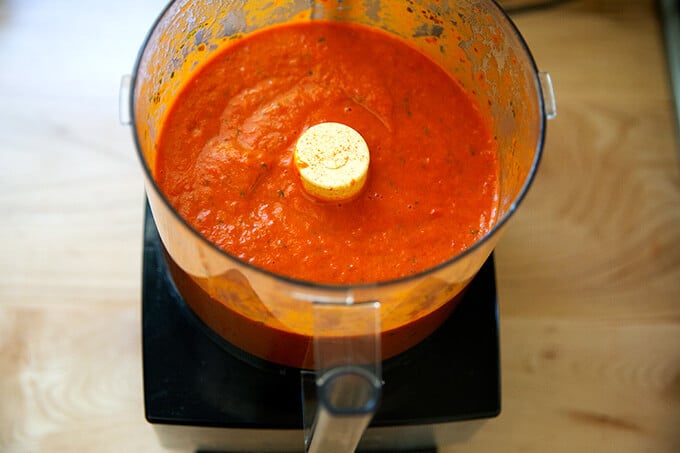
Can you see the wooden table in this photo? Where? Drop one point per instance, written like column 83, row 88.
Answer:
column 588, row 271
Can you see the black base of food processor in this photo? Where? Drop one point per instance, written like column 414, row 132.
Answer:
column 200, row 395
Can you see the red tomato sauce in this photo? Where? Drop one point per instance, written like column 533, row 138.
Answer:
column 225, row 155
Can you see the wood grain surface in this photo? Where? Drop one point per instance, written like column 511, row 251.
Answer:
column 588, row 270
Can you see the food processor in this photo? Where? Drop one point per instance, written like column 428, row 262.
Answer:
column 237, row 358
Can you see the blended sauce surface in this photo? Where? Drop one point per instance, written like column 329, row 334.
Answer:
column 225, row 155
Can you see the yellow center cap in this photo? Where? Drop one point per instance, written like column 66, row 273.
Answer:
column 332, row 160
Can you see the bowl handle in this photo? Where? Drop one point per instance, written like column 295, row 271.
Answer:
column 347, row 377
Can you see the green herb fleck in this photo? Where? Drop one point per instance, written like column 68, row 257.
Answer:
column 407, row 105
